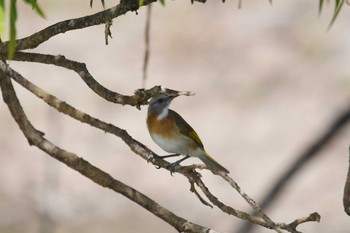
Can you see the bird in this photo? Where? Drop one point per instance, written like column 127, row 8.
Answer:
column 174, row 135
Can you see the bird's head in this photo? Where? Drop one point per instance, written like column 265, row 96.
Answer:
column 159, row 105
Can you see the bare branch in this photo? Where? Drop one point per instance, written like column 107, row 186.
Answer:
column 102, row 17
column 69, row 110
column 250, row 201
column 308, row 154
column 292, row 227
column 188, row 171
column 311, row 152
column 75, row 113
column 227, row 209
column 194, row 190
column 264, row 220
column 346, row 196
column 108, row 32
column 84, row 167
column 147, row 45
column 140, row 97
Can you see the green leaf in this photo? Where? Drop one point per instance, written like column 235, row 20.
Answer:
column 162, row 2
column 337, row 8
column 320, row 6
column 102, row 1
column 35, row 7
column 141, row 2
column 13, row 18
column 2, row 17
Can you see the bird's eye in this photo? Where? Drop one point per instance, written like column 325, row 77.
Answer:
column 160, row 101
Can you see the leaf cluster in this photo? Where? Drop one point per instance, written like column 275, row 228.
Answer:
column 337, row 7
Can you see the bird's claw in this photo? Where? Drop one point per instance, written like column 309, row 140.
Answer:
column 171, row 167
column 152, row 158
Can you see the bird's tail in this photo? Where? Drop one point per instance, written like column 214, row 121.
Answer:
column 212, row 164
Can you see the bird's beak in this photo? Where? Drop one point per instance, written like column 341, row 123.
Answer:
column 173, row 96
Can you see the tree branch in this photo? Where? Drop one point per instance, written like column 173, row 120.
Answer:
column 144, row 152
column 139, row 98
column 102, row 17
column 346, row 196
column 310, row 153
column 147, row 46
column 98, row 176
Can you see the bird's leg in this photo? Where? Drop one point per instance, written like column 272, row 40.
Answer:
column 152, row 157
column 172, row 166
column 168, row 156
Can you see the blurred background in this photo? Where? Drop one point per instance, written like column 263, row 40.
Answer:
column 269, row 80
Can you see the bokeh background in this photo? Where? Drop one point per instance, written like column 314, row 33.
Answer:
column 268, row 80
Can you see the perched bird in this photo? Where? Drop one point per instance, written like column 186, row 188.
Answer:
column 174, row 135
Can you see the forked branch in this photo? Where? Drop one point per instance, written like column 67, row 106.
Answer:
column 95, row 174
column 140, row 97
column 140, row 149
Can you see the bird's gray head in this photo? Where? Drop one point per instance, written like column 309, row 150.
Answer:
column 159, row 105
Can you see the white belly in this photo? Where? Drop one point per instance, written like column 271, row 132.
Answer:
column 183, row 145
column 172, row 146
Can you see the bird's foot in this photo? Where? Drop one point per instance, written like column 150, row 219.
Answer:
column 153, row 157
column 171, row 167
column 168, row 156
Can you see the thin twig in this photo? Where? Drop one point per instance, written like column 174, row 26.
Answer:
column 346, row 196
column 194, row 190
column 102, row 17
column 310, row 153
column 265, row 222
column 147, row 45
column 140, row 97
column 251, row 202
column 108, row 32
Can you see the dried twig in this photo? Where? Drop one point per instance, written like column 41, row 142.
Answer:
column 140, row 97
column 194, row 190
column 311, row 152
column 346, row 196
column 108, row 32
column 40, row 37
column 147, row 46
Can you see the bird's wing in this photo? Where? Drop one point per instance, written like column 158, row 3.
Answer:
column 185, row 128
